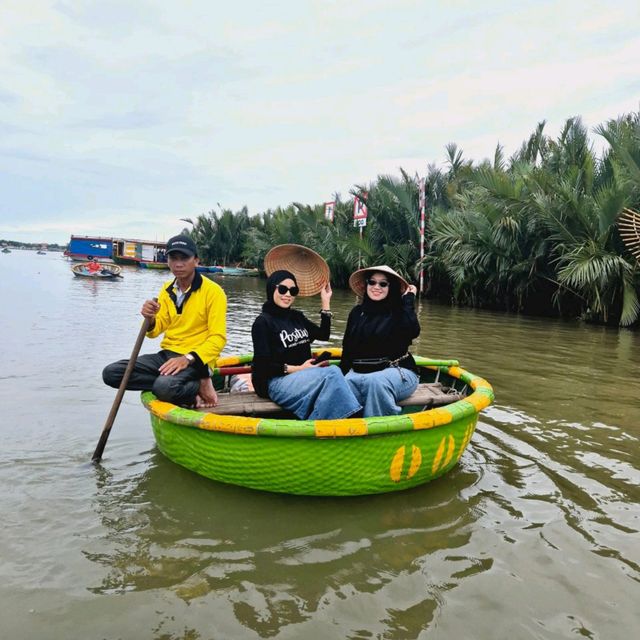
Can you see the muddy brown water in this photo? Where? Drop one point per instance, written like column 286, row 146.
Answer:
column 533, row 535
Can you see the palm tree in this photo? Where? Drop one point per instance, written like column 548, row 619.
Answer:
column 490, row 243
column 220, row 237
column 580, row 204
column 532, row 232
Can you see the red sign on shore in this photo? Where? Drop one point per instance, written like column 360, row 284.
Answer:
column 360, row 212
column 329, row 208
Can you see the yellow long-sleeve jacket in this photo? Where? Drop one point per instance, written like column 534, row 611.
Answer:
column 199, row 326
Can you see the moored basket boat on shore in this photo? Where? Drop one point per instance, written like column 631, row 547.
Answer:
column 259, row 447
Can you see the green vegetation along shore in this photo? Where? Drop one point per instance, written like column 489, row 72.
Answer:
column 35, row 246
column 533, row 233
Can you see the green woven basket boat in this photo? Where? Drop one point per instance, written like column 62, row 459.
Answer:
column 352, row 456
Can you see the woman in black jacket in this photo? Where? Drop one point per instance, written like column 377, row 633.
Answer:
column 283, row 369
column 375, row 348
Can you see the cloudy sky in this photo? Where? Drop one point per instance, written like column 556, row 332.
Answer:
column 121, row 117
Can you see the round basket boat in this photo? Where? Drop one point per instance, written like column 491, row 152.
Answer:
column 353, row 456
column 107, row 272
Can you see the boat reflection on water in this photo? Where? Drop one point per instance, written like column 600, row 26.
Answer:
column 275, row 560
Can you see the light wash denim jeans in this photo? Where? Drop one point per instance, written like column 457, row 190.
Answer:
column 315, row 393
column 378, row 392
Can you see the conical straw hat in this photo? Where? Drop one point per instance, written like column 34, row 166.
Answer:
column 357, row 278
column 309, row 268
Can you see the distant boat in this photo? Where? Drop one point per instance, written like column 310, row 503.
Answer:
column 144, row 253
column 117, row 250
column 108, row 271
column 5, row 250
column 81, row 248
column 201, row 268
column 238, row 271
column 41, row 253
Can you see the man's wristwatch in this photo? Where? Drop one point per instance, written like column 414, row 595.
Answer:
column 190, row 358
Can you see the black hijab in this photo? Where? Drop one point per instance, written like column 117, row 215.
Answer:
column 392, row 301
column 272, row 282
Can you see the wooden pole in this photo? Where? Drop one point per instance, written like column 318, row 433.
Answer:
column 104, row 436
column 422, row 186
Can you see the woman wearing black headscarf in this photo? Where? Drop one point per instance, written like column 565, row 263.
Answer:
column 375, row 349
column 283, row 369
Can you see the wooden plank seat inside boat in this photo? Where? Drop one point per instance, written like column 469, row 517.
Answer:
column 426, row 396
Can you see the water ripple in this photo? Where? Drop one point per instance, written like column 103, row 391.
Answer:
column 532, row 535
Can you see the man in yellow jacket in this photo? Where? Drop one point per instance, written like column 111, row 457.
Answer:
column 191, row 313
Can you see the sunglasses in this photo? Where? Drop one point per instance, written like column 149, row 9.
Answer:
column 381, row 283
column 282, row 290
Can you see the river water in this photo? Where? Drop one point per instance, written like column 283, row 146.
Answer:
column 533, row 535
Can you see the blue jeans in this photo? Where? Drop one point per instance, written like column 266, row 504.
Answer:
column 378, row 392
column 315, row 393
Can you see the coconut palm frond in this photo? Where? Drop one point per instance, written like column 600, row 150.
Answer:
column 630, row 304
column 583, row 268
column 554, row 219
column 534, row 148
column 401, row 192
column 454, row 158
column 619, row 134
column 610, row 199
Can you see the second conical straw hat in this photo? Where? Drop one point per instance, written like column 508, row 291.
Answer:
column 309, row 268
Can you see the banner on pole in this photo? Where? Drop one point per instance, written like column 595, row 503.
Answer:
column 360, row 211
column 329, row 208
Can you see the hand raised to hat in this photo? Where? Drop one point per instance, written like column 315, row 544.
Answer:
column 325, row 295
column 411, row 289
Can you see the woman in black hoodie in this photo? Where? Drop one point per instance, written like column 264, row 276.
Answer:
column 375, row 348
column 283, row 369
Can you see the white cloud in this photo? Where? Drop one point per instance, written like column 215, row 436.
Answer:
column 122, row 113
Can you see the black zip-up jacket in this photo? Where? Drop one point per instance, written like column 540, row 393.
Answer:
column 376, row 330
column 282, row 336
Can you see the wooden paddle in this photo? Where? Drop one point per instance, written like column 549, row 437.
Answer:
column 104, row 436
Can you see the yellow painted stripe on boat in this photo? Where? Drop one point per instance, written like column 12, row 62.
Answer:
column 395, row 470
column 431, row 418
column 483, row 387
column 452, row 446
column 478, row 400
column 466, row 439
column 227, row 361
column 416, row 461
column 230, row 424
column 439, row 453
column 456, row 372
column 482, row 384
column 162, row 409
column 340, row 428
